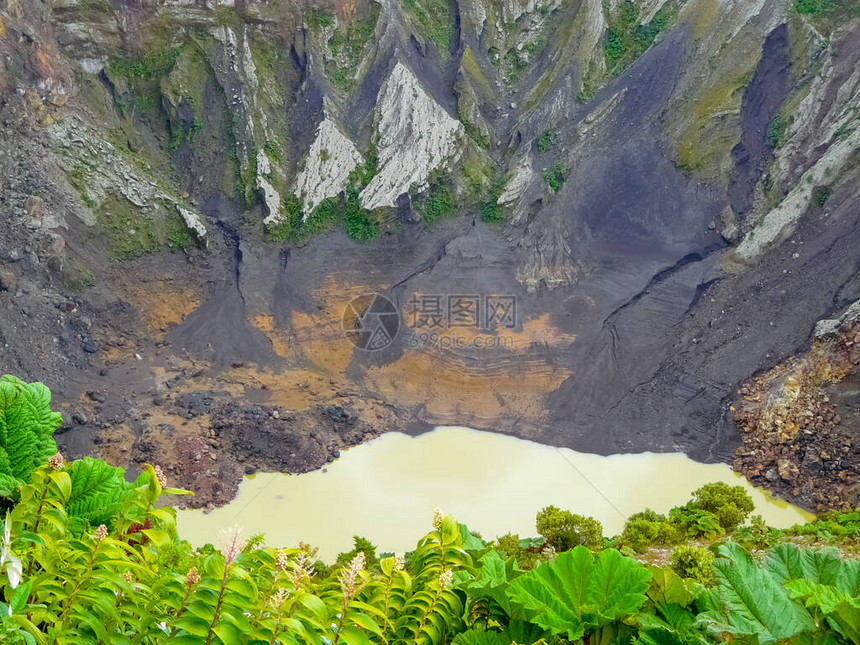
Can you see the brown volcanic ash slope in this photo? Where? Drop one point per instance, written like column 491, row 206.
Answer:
column 674, row 184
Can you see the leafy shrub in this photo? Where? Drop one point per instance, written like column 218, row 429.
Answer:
column 152, row 65
column 345, row 50
column 697, row 522
column 831, row 524
column 319, row 19
column 27, row 425
column 648, row 528
column 757, row 535
column 438, row 200
column 179, row 237
column 815, row 7
column 776, row 131
column 564, row 530
column 730, row 504
column 544, row 141
column 363, row 546
column 291, row 219
column 435, row 17
column 626, row 39
column 555, row 177
column 820, row 195
column 694, row 562
column 272, row 150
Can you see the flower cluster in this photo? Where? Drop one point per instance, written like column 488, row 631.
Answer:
column 159, row 475
column 232, row 544
column 349, row 575
column 445, row 578
column 56, row 462
column 192, row 577
column 438, row 516
column 101, row 533
column 301, row 570
column 399, row 561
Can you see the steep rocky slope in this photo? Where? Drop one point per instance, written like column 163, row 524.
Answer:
column 194, row 191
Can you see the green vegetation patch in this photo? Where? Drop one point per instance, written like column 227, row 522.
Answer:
column 776, row 130
column 544, row 141
column 816, row 7
column 346, row 50
column 151, row 65
column 130, row 234
column 626, row 39
column 436, row 19
column 345, row 210
column 555, row 177
column 437, row 201
column 90, row 557
column 491, row 211
column 319, row 19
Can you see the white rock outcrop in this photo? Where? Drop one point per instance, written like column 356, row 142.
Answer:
column 780, row 223
column 415, row 136
column 101, row 172
column 193, row 221
column 329, row 161
column 831, row 326
column 521, row 178
column 236, row 73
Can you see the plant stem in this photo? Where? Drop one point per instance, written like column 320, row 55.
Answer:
column 218, row 604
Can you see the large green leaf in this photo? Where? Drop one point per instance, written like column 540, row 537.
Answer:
column 27, row 425
column 578, row 592
column 99, row 491
column 519, row 632
column 787, row 562
column 754, row 603
column 841, row 610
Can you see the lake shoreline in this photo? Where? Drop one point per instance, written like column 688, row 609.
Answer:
column 386, row 489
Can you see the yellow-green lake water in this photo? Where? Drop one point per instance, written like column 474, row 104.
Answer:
column 386, row 490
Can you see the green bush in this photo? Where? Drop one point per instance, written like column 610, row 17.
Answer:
column 815, row 7
column 564, row 530
column 152, row 65
column 555, row 177
column 626, row 39
column 273, row 150
column 694, row 562
column 544, row 141
column 730, row 504
column 319, row 19
column 757, row 535
column 435, row 17
column 648, row 528
column 776, row 130
column 438, row 200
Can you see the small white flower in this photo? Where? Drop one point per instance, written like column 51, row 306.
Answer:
column 445, row 578
column 14, row 569
column 438, row 516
